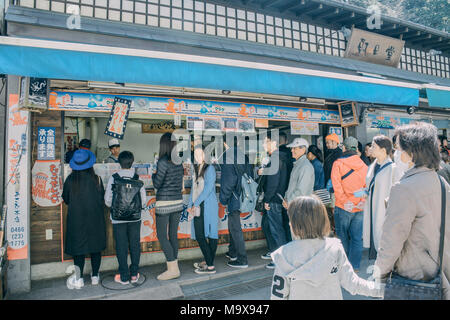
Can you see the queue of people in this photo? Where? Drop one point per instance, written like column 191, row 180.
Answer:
column 381, row 206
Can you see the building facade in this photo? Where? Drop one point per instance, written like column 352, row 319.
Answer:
column 278, row 61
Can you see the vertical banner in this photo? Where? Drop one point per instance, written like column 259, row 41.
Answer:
column 46, row 183
column 17, row 187
column 46, row 143
column 118, row 118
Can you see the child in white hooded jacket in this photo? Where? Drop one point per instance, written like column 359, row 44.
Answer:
column 313, row 266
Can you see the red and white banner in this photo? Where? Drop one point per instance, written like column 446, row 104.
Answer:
column 47, row 183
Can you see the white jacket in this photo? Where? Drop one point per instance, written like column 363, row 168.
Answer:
column 380, row 190
column 316, row 269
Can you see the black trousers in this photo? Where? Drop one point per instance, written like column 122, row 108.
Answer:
column 96, row 259
column 207, row 246
column 237, row 244
column 128, row 236
column 168, row 223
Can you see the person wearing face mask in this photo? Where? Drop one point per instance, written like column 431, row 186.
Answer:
column 399, row 166
column 379, row 181
column 410, row 240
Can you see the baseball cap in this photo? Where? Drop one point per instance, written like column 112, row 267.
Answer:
column 333, row 137
column 351, row 143
column 85, row 143
column 113, row 143
column 298, row 142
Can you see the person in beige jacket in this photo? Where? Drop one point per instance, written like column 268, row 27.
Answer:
column 410, row 237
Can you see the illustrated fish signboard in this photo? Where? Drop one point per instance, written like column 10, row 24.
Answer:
column 78, row 101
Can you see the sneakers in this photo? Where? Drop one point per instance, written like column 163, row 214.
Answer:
column 95, row 280
column 270, row 266
column 74, row 283
column 205, row 270
column 266, row 256
column 198, row 265
column 230, row 257
column 118, row 280
column 134, row 279
column 236, row 264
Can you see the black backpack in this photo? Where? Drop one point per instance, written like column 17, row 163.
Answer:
column 126, row 201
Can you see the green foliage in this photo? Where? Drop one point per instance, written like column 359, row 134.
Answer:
column 431, row 13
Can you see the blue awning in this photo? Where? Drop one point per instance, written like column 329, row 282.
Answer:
column 438, row 98
column 73, row 61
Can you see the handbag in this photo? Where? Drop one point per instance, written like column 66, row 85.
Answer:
column 400, row 288
column 323, row 195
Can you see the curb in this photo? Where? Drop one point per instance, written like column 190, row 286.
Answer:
column 170, row 291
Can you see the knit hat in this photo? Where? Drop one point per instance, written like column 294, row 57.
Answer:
column 333, row 137
column 85, row 144
column 351, row 143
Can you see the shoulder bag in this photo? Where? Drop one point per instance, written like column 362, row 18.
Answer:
column 400, row 288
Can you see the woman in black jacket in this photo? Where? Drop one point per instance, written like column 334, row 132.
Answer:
column 83, row 192
column 168, row 180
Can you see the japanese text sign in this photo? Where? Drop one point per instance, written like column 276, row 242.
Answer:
column 118, row 118
column 375, row 48
column 46, row 143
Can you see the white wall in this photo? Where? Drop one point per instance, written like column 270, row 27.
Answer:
column 142, row 145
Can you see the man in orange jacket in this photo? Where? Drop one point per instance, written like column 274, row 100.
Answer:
column 348, row 177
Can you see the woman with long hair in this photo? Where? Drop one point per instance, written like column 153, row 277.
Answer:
column 203, row 206
column 168, row 182
column 83, row 192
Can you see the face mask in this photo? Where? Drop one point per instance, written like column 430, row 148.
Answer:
column 398, row 161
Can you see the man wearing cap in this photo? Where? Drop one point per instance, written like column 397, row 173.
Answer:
column 301, row 182
column 349, row 176
column 114, row 148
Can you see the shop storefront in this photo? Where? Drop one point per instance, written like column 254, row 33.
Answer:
column 84, row 111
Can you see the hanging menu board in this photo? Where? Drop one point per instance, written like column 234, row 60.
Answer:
column 347, row 111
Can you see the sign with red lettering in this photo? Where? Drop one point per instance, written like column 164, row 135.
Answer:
column 118, row 118
column 47, row 183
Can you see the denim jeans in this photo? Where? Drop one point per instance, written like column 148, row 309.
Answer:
column 349, row 228
column 128, row 236
column 273, row 227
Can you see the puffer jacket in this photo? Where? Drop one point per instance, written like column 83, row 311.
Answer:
column 168, row 180
column 409, row 242
column 316, row 269
column 344, row 188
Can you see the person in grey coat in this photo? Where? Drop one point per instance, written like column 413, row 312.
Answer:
column 301, row 182
column 411, row 231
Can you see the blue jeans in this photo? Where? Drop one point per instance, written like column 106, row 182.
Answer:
column 349, row 228
column 273, row 227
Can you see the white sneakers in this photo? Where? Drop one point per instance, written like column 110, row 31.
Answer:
column 95, row 280
column 74, row 283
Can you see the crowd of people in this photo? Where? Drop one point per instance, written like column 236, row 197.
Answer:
column 318, row 212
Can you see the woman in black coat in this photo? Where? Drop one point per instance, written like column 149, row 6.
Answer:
column 83, row 192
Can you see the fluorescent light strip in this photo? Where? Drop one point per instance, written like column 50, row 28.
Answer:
column 71, row 46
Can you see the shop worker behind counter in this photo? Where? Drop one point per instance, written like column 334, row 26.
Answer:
column 114, row 148
column 125, row 194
